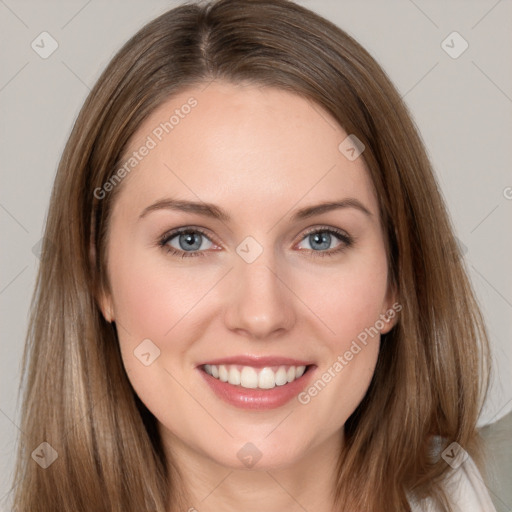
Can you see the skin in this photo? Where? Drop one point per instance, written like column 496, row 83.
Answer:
column 260, row 154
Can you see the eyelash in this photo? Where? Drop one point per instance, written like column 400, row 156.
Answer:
column 347, row 240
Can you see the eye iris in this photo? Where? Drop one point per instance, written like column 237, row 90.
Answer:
column 323, row 238
column 189, row 241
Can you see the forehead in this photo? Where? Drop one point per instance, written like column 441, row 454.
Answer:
column 243, row 146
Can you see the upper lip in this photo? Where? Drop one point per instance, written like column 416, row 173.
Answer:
column 258, row 361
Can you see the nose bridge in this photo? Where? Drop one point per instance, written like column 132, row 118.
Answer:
column 258, row 300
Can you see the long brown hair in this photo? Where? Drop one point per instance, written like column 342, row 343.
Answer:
column 432, row 371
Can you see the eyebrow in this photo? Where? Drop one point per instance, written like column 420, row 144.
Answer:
column 214, row 212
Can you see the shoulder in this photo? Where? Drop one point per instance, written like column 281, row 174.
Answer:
column 466, row 491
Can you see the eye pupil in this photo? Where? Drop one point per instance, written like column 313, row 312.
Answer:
column 323, row 238
column 189, row 243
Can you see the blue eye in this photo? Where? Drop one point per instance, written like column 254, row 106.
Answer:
column 190, row 242
column 321, row 238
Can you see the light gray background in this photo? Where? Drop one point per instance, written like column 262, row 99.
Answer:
column 462, row 106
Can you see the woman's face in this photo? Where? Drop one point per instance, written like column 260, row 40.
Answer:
column 261, row 285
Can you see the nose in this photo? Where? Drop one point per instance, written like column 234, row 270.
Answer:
column 260, row 305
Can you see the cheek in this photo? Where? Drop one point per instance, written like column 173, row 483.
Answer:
column 169, row 304
column 349, row 301
column 154, row 302
column 149, row 298
column 348, row 298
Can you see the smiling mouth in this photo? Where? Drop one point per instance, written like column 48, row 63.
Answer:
column 249, row 377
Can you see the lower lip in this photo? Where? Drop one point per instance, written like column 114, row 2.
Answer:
column 255, row 398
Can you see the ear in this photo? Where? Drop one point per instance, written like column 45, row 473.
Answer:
column 106, row 306
column 390, row 309
column 103, row 297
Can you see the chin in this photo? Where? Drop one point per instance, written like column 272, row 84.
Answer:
column 257, row 455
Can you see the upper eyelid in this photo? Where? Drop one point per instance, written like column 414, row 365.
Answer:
column 169, row 235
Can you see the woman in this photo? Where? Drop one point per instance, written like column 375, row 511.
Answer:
column 250, row 294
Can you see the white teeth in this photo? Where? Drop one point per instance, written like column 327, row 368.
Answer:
column 248, row 377
column 234, row 376
column 267, row 379
column 281, row 376
column 223, row 373
column 251, row 378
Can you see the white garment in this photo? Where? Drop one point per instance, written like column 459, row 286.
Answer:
column 466, row 490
